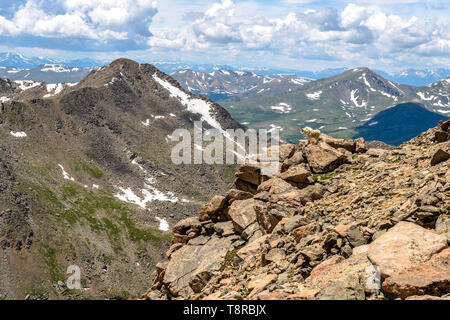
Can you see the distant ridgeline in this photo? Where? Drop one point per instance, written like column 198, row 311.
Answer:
column 399, row 124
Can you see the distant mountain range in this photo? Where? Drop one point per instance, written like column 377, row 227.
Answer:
column 51, row 73
column 414, row 77
column 18, row 67
column 18, row 61
column 335, row 105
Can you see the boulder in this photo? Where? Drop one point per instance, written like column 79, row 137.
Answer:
column 259, row 283
column 304, row 231
column 179, row 238
column 325, row 265
column 443, row 226
column 439, row 156
column 291, row 198
column 342, row 229
column 250, row 253
column 444, row 125
column 252, row 232
column 440, row 136
column 311, row 193
column 344, row 280
column 361, row 250
column 275, row 255
column 298, row 174
column 348, row 145
column 356, row 237
column 266, row 220
column 245, row 186
column 190, row 267
column 250, row 173
column 296, row 159
column 295, row 222
column 274, row 186
column 404, row 246
column 212, row 208
column 377, row 153
column 234, row 194
column 198, row 241
column 322, row 158
column 360, row 145
column 184, row 225
column 431, row 277
column 225, row 229
column 242, row 213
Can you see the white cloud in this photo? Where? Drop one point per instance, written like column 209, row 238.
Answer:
column 361, row 32
column 226, row 7
column 100, row 20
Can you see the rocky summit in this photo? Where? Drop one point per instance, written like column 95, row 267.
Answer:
column 339, row 220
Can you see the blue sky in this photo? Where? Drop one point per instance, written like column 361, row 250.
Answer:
column 300, row 34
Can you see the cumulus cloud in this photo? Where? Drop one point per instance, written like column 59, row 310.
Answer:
column 104, row 22
column 360, row 32
column 356, row 31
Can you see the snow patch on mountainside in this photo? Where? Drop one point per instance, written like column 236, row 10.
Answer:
column 58, row 68
column 149, row 193
column 193, row 105
column 422, row 96
column 366, row 82
column 314, row 95
column 163, row 224
column 54, row 89
column 27, row 84
column 20, row 134
column 354, row 98
column 65, row 174
column 282, row 107
column 389, row 95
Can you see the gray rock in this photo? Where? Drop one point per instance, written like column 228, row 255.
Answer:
column 439, row 156
column 295, row 222
column 224, row 228
column 242, row 214
column 356, row 237
column 191, row 265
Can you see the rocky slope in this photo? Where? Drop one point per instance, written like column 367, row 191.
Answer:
column 337, row 222
column 86, row 179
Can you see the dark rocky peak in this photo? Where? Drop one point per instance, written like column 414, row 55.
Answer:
column 125, row 70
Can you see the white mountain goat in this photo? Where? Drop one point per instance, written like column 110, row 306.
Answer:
column 311, row 134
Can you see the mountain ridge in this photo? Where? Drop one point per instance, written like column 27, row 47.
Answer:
column 399, row 123
column 338, row 104
column 89, row 180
